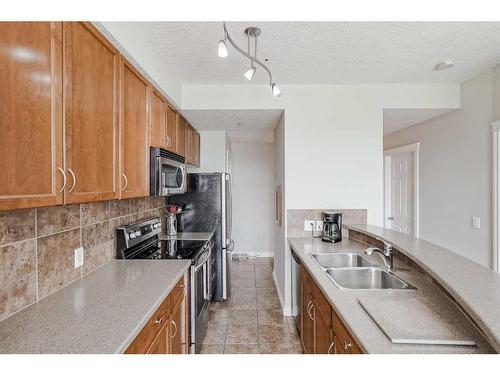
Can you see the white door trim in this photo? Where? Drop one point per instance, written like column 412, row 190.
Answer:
column 413, row 147
column 495, row 129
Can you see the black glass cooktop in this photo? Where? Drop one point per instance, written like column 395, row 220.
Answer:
column 170, row 249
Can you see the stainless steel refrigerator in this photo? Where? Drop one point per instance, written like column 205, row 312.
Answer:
column 207, row 206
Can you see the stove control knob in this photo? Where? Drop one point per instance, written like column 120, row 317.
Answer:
column 132, row 235
column 137, row 233
column 156, row 225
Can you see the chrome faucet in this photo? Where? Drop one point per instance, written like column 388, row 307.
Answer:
column 387, row 254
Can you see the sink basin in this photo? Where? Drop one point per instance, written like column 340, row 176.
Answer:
column 341, row 260
column 366, row 278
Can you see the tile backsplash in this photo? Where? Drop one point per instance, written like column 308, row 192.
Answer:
column 37, row 245
column 296, row 218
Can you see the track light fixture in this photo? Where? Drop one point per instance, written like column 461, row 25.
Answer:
column 252, row 34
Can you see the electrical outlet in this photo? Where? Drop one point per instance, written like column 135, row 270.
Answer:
column 476, row 222
column 308, row 225
column 319, row 226
column 79, row 257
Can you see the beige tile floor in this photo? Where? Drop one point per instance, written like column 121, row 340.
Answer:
column 251, row 321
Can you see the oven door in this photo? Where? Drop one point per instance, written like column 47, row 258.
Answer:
column 171, row 177
column 200, row 300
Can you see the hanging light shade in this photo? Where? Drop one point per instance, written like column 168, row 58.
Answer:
column 276, row 89
column 222, row 49
column 250, row 72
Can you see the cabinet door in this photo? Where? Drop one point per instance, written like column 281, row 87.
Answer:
column 134, row 133
column 91, row 72
column 307, row 323
column 31, row 114
column 160, row 344
column 196, row 149
column 181, row 137
column 172, row 119
column 189, row 149
column 177, row 329
column 158, row 123
column 323, row 336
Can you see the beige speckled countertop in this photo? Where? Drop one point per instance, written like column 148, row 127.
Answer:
column 475, row 287
column 362, row 327
column 101, row 313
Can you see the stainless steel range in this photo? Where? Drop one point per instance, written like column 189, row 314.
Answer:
column 142, row 241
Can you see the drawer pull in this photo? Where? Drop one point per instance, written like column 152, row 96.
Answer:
column 159, row 321
column 175, row 332
column 347, row 345
column 310, row 310
column 332, row 345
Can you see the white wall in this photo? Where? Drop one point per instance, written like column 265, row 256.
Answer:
column 212, row 152
column 132, row 42
column 281, row 257
column 455, row 172
column 253, row 198
column 333, row 136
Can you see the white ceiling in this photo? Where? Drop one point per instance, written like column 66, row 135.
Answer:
column 397, row 119
column 330, row 52
column 242, row 125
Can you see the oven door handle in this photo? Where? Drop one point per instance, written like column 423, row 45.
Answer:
column 202, row 262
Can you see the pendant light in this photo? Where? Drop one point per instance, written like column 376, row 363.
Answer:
column 252, row 33
column 222, row 47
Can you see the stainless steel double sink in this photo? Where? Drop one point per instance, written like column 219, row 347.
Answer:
column 354, row 271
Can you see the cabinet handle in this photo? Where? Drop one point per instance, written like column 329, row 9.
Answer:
column 332, row 345
column 347, row 345
column 175, row 326
column 64, row 179
column 74, row 180
column 168, row 141
column 126, row 181
column 309, row 311
column 159, row 321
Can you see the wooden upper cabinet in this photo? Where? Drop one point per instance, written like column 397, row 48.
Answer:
column 91, row 73
column 192, row 146
column 172, row 120
column 197, row 149
column 30, row 114
column 134, row 153
column 181, row 137
column 158, row 121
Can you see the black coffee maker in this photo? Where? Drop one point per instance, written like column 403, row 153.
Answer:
column 332, row 227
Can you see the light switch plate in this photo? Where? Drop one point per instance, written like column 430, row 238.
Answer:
column 79, row 257
column 476, row 222
column 319, row 226
column 308, row 225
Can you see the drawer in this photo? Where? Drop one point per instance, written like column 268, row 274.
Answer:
column 178, row 292
column 153, row 326
column 345, row 343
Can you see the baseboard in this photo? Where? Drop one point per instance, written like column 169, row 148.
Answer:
column 286, row 309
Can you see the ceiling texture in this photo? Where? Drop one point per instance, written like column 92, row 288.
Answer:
column 330, row 52
column 324, row 53
column 243, row 125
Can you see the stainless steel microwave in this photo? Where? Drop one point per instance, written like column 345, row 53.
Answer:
column 167, row 173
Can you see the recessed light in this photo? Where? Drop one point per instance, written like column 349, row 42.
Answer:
column 240, row 123
column 446, row 64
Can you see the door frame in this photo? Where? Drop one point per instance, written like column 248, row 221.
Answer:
column 413, row 147
column 495, row 130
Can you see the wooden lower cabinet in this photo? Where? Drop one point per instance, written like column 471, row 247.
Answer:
column 306, row 320
column 322, row 331
column 167, row 331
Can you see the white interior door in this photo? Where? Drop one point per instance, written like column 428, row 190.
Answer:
column 401, row 215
